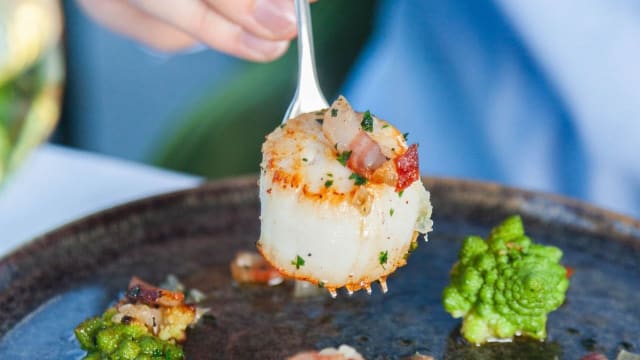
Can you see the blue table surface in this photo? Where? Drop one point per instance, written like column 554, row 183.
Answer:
column 57, row 185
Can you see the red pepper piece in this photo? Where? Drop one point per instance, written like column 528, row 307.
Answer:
column 407, row 167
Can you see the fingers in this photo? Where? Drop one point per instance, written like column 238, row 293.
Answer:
column 270, row 19
column 130, row 21
column 257, row 30
column 207, row 25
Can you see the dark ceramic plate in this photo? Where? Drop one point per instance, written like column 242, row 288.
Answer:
column 53, row 283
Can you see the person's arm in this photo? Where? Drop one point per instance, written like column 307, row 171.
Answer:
column 257, row 30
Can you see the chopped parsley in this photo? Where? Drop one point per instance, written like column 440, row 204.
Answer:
column 319, row 121
column 305, row 159
column 334, row 112
column 344, row 157
column 391, row 212
column 385, row 126
column 400, row 193
column 328, row 183
column 330, row 175
column 298, row 262
column 357, row 179
column 405, row 136
column 321, row 284
column 367, row 122
column 383, row 257
column 282, row 126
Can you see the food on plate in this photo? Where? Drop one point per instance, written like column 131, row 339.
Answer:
column 505, row 286
column 148, row 323
column 418, row 356
column 342, row 203
column 304, row 289
column 251, row 268
column 594, row 356
column 104, row 338
column 192, row 295
column 622, row 355
column 344, row 352
column 626, row 355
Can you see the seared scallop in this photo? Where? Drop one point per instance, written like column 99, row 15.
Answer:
column 342, row 203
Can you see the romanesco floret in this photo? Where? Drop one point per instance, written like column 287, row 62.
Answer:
column 505, row 286
column 104, row 339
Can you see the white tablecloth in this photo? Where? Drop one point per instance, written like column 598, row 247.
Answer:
column 58, row 185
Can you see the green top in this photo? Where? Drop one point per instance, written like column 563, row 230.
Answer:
column 505, row 286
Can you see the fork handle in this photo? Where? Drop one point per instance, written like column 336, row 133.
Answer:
column 308, row 96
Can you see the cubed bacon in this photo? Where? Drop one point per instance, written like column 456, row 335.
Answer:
column 142, row 292
column 366, row 156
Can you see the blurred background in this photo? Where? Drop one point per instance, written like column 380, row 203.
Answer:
column 538, row 95
column 204, row 113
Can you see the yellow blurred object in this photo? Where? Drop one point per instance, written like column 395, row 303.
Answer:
column 31, row 76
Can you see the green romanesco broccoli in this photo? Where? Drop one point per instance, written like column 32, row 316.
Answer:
column 104, row 339
column 505, row 286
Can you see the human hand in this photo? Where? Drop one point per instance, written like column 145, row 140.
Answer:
column 257, row 30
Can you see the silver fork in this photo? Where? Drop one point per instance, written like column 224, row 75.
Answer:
column 308, row 96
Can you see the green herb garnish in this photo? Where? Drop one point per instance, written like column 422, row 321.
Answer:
column 320, row 284
column 405, row 136
column 367, row 122
column 357, row 179
column 298, row 262
column 319, row 121
column 328, row 183
column 383, row 257
column 400, row 193
column 391, row 212
column 385, row 126
column 305, row 159
column 334, row 112
column 344, row 157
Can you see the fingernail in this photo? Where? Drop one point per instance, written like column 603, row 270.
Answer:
column 261, row 48
column 277, row 16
